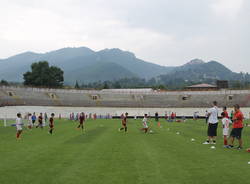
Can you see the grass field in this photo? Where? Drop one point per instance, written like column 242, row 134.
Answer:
column 104, row 155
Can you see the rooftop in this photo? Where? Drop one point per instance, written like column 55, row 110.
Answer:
column 202, row 86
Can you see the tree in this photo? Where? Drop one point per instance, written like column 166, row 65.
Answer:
column 77, row 85
column 117, row 85
column 43, row 75
column 4, row 83
column 105, row 85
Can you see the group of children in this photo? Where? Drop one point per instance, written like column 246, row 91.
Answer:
column 76, row 116
column 236, row 120
column 31, row 123
column 144, row 123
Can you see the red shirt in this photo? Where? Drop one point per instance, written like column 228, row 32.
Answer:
column 51, row 121
column 124, row 120
column 226, row 114
column 82, row 119
column 40, row 119
column 238, row 120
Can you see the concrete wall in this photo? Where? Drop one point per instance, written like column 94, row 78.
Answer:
column 12, row 96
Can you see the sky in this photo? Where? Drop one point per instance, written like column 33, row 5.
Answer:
column 165, row 32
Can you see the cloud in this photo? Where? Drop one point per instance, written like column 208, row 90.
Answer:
column 228, row 9
column 167, row 32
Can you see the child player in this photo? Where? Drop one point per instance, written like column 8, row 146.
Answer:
column 145, row 124
column 40, row 121
column 225, row 111
column 51, row 123
column 225, row 123
column 81, row 119
column 30, row 124
column 19, row 126
column 33, row 117
column 124, row 122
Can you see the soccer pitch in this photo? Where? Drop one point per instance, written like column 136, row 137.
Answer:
column 103, row 155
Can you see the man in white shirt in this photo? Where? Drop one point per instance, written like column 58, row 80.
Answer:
column 212, row 124
column 18, row 125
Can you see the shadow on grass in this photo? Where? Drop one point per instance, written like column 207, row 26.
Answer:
column 86, row 137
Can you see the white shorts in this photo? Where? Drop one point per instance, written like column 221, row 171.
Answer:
column 226, row 131
column 19, row 127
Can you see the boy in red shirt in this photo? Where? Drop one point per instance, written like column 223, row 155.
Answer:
column 40, row 121
column 124, row 122
column 225, row 112
column 82, row 120
column 51, row 123
column 237, row 127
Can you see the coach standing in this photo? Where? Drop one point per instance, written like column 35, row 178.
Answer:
column 212, row 124
column 237, row 127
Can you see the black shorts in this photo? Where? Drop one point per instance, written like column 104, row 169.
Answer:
column 212, row 129
column 236, row 132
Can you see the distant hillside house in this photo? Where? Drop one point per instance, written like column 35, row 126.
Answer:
column 202, row 87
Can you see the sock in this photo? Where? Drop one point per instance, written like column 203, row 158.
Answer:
column 18, row 135
column 225, row 142
column 214, row 141
column 126, row 129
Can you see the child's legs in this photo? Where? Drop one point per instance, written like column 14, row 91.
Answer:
column 225, row 139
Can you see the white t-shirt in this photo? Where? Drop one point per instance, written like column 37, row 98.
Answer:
column 19, row 124
column 145, row 125
column 226, row 122
column 213, row 118
column 30, row 121
column 18, row 121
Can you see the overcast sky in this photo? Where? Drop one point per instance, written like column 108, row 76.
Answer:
column 166, row 32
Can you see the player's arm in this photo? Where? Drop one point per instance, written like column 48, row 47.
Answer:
column 209, row 113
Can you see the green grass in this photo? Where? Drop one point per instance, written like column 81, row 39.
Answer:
column 104, row 155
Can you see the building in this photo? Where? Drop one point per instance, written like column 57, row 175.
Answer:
column 222, row 84
column 202, row 87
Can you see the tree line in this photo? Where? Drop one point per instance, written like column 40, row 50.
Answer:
column 43, row 75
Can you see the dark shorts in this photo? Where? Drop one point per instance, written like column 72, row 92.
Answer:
column 212, row 129
column 33, row 121
column 236, row 132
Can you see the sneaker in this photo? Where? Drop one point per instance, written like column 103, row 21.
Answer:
column 213, row 142
column 206, row 142
column 225, row 146
column 239, row 148
column 230, row 146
